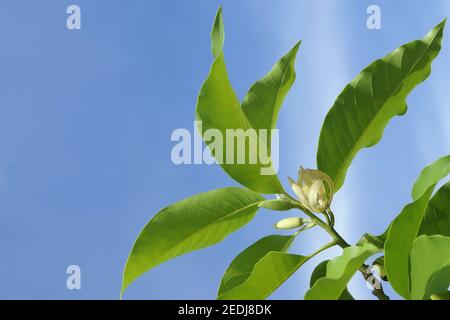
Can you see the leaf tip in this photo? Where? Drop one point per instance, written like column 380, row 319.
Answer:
column 439, row 29
column 218, row 17
column 127, row 278
column 124, row 287
column 217, row 33
column 293, row 52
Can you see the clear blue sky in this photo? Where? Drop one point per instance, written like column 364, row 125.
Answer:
column 86, row 118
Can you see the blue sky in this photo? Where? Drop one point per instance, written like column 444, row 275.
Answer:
column 86, row 118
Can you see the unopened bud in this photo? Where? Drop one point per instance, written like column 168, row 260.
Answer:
column 277, row 205
column 290, row 223
column 314, row 189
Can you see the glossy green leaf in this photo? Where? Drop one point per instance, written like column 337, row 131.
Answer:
column 430, row 262
column 320, row 272
column 404, row 229
column 340, row 270
column 242, row 266
column 366, row 105
column 194, row 223
column 265, row 97
column 219, row 109
column 437, row 216
column 438, row 284
column 431, row 175
column 377, row 241
column 268, row 274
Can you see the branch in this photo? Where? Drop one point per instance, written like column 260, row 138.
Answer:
column 377, row 287
column 338, row 240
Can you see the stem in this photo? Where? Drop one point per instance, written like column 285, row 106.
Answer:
column 325, row 247
column 327, row 217
column 340, row 241
column 331, row 214
column 377, row 292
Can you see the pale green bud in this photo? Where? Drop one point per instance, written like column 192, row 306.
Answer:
column 290, row 223
column 277, row 205
column 314, row 189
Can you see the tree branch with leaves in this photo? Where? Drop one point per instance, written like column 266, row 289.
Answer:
column 413, row 252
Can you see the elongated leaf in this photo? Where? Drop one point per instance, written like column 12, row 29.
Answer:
column 437, row 216
column 242, row 266
column 219, row 109
column 428, row 256
column 194, row 223
column 320, row 272
column 265, row 97
column 268, row 274
column 431, row 175
column 339, row 272
column 366, row 105
column 404, row 229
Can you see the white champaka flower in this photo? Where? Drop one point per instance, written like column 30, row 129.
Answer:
column 314, row 189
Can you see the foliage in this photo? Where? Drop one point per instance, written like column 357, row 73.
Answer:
column 416, row 244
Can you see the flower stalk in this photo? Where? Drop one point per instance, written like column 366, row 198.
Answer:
column 315, row 191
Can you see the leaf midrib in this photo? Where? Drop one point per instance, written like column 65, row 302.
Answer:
column 278, row 89
column 235, row 212
column 240, row 115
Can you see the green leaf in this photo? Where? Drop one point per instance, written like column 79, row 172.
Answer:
column 194, row 223
column 320, row 272
column 339, row 272
column 268, row 274
column 217, row 34
column 431, row 175
column 219, row 109
column 399, row 242
column 377, row 241
column 242, row 266
column 265, row 97
column 438, row 284
column 277, row 205
column 430, row 262
column 366, row 105
column 437, row 216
